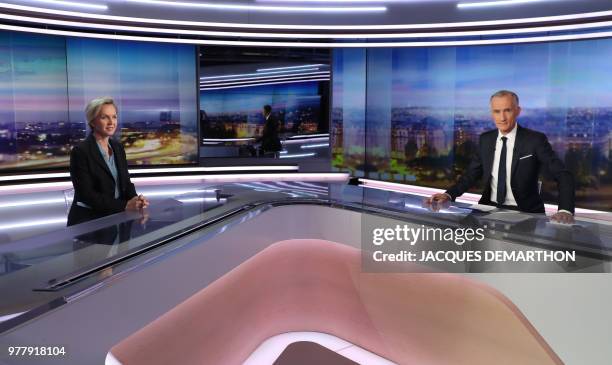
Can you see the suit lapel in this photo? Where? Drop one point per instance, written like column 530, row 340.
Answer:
column 94, row 151
column 516, row 152
column 488, row 156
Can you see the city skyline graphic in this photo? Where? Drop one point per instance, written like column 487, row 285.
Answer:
column 46, row 81
column 431, row 104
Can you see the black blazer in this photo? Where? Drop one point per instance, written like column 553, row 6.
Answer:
column 532, row 152
column 93, row 183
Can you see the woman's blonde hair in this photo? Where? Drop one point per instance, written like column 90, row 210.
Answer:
column 92, row 110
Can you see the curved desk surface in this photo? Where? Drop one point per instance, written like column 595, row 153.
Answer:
column 316, row 285
column 189, row 242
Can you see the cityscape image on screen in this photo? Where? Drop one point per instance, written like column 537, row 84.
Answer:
column 46, row 82
column 431, row 104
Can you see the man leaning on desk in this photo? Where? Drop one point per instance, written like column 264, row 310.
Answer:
column 510, row 158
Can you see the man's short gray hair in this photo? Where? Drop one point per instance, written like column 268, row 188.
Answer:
column 92, row 110
column 502, row 93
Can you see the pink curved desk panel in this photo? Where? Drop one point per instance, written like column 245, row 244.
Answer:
column 315, row 285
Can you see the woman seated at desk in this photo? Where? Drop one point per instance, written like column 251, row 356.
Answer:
column 98, row 169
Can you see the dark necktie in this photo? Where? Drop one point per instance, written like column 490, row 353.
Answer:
column 501, row 174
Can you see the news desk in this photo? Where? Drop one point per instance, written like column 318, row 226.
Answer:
column 102, row 286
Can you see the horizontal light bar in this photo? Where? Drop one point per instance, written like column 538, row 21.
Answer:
column 556, row 18
column 161, row 170
column 33, row 223
column 306, row 136
column 218, row 169
column 262, row 84
column 484, row 4
column 25, row 203
column 565, row 37
column 335, row 177
column 74, row 4
column 315, row 145
column 227, row 139
column 256, row 74
column 298, row 155
column 305, row 35
column 308, row 140
column 31, row 202
column 264, row 78
column 202, row 200
column 307, row 9
column 316, row 177
column 261, row 70
column 305, row 78
column 35, row 176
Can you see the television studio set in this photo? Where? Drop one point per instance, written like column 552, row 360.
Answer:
column 306, row 182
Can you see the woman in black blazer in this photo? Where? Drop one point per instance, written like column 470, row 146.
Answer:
column 98, row 169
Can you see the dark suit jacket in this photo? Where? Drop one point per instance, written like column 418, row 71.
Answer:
column 93, row 183
column 270, row 142
column 532, row 152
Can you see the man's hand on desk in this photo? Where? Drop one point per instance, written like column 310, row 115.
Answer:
column 562, row 217
column 437, row 201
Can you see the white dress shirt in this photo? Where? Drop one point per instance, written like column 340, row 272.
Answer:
column 509, row 152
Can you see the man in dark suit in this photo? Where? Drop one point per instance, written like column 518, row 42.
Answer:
column 270, row 142
column 509, row 158
column 99, row 171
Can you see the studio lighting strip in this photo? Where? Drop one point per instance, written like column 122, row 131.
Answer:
column 341, row 36
column 177, row 170
column 171, row 22
column 265, row 78
column 207, row 80
column 254, row 82
column 263, row 84
column 552, row 38
column 258, row 75
column 264, row 8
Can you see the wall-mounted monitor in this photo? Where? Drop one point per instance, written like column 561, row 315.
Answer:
column 46, row 81
column 237, row 82
column 424, row 107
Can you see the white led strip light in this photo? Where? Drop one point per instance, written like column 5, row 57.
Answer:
column 305, row 35
column 582, row 16
column 564, row 37
column 299, row 78
column 484, row 4
column 310, row 135
column 261, row 84
column 275, row 73
column 75, row 4
column 267, row 78
column 306, row 9
column 293, row 68
column 160, row 170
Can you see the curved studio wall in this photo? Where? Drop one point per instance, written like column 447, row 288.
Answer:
column 413, row 115
column 46, row 81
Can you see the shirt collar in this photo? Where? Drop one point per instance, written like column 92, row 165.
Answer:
column 511, row 136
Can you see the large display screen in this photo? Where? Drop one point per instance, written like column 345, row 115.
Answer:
column 237, row 112
column 46, row 81
column 236, row 83
column 426, row 107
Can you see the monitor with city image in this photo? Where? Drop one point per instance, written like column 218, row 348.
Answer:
column 431, row 104
column 46, row 81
